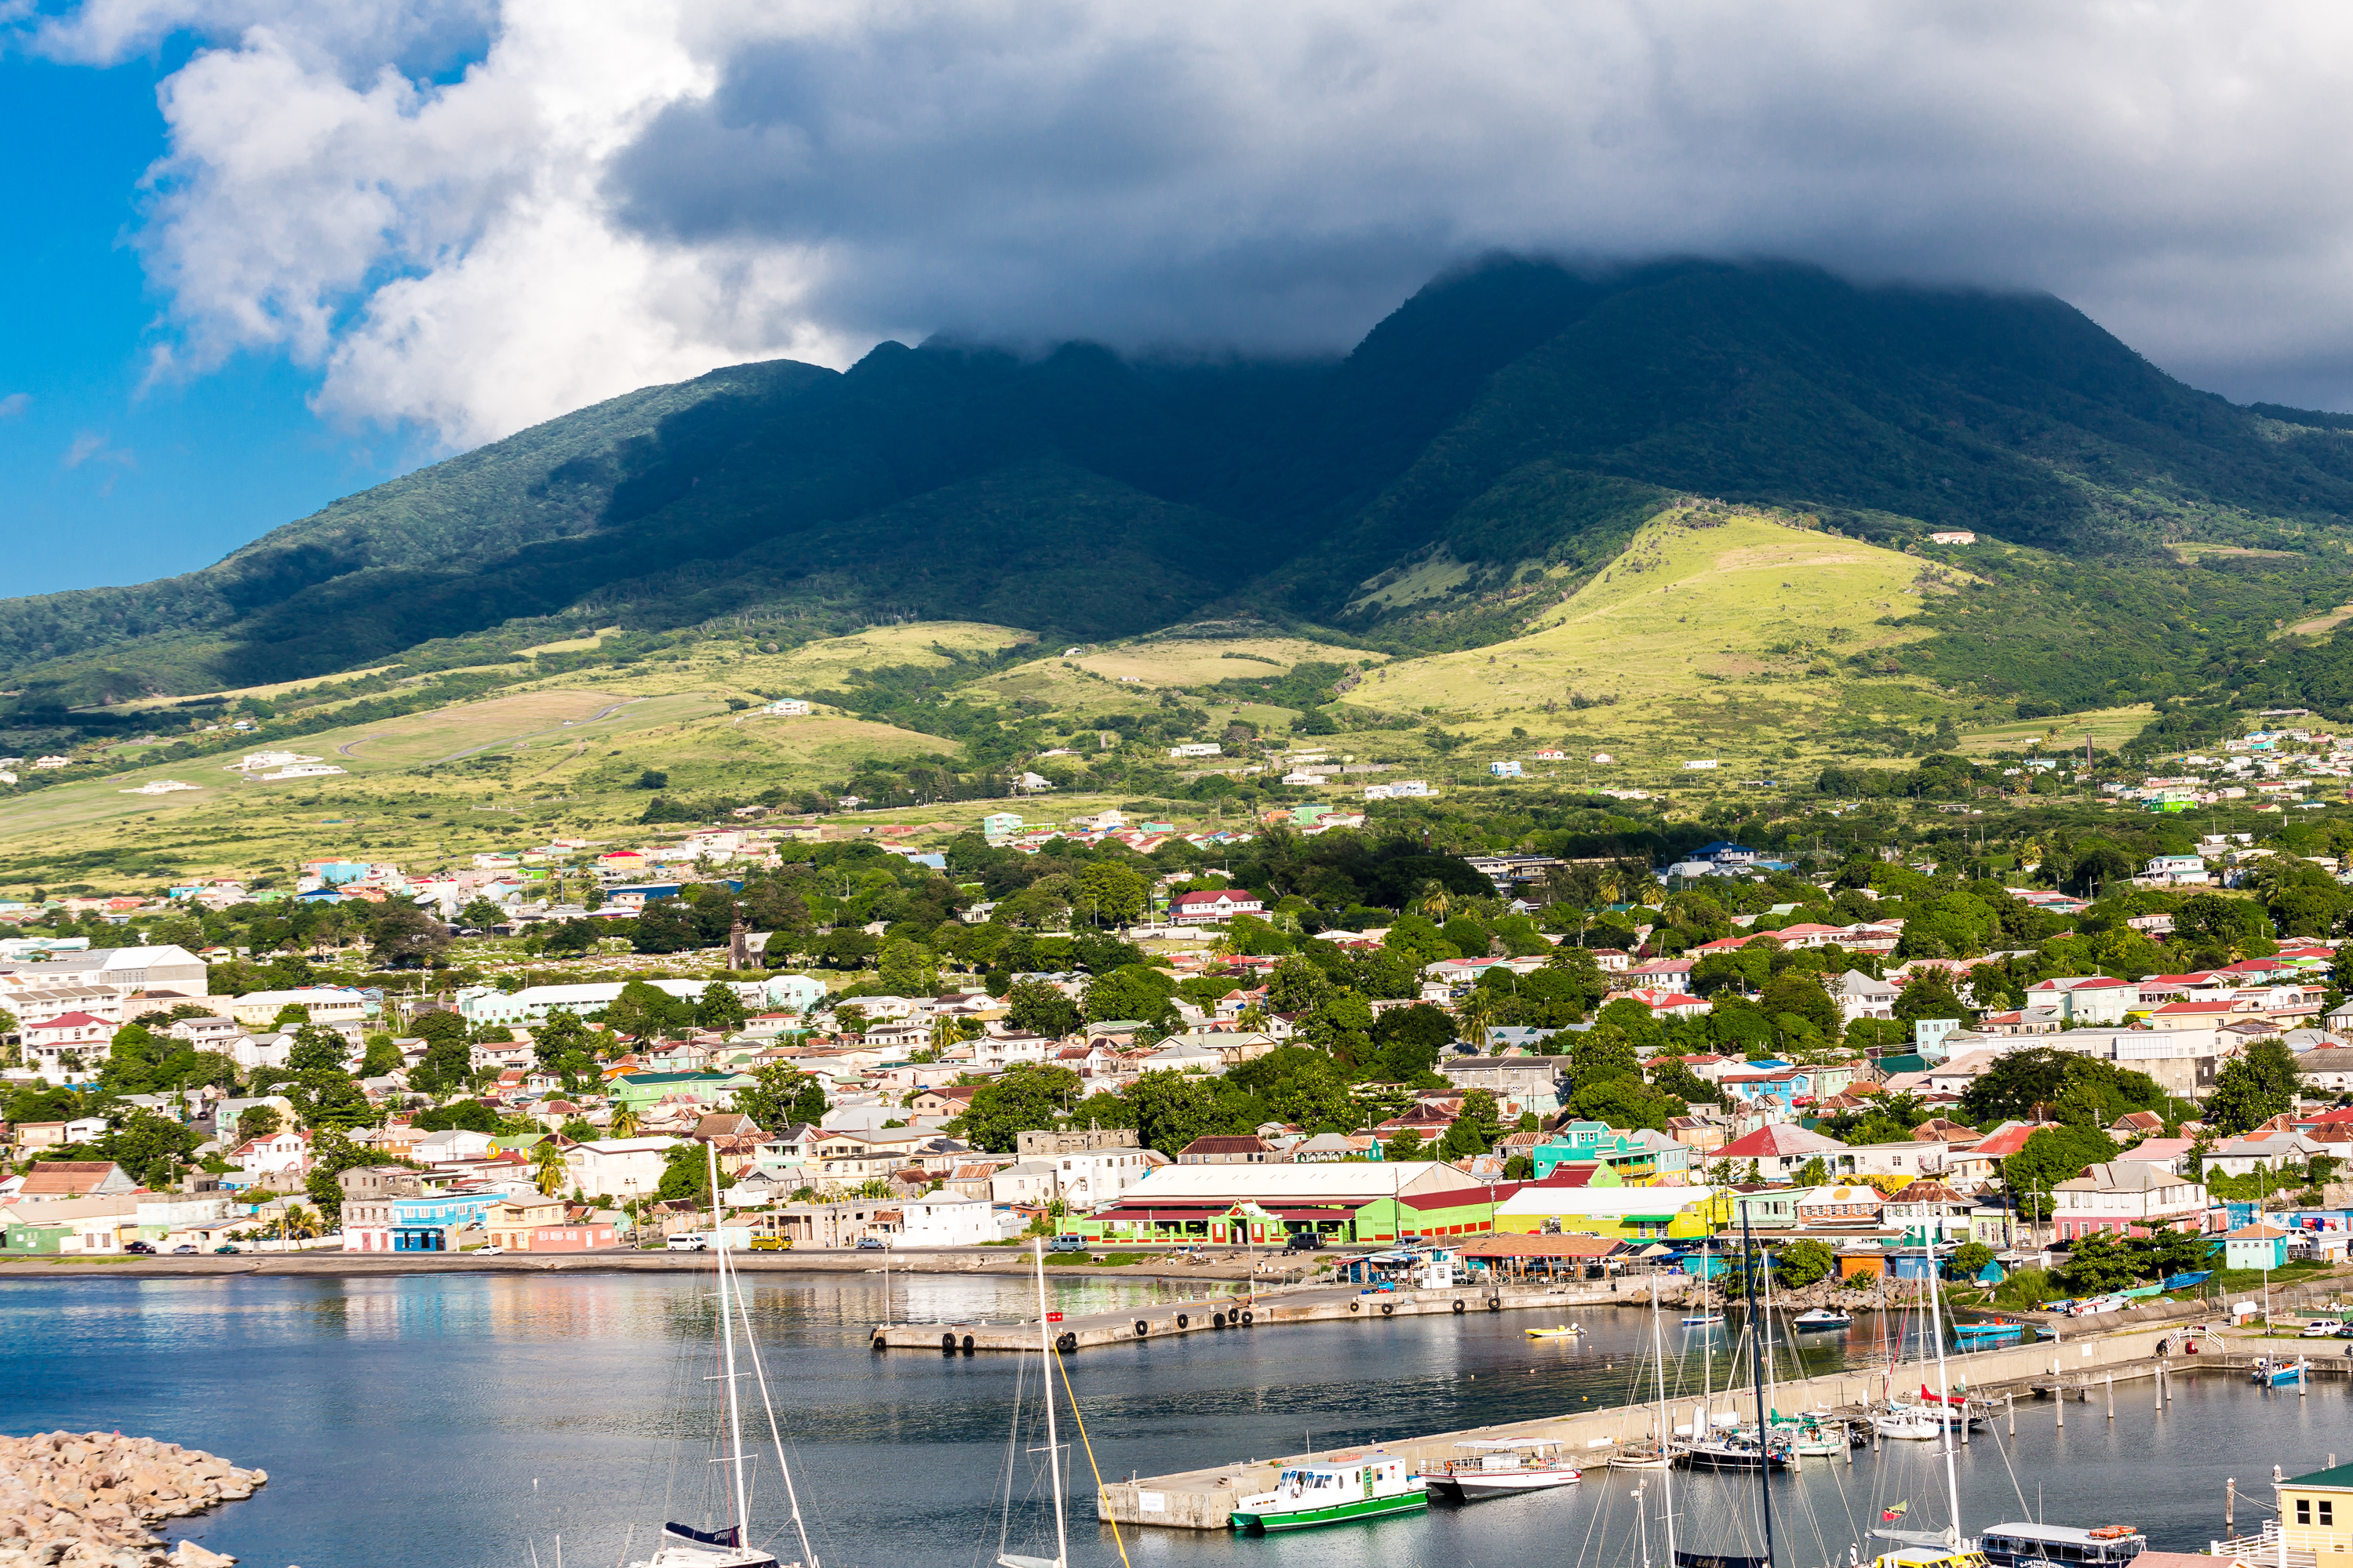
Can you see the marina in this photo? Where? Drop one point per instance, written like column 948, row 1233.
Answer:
column 564, row 1394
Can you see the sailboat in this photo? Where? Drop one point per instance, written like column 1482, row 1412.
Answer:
column 1946, row 1548
column 1053, row 1442
column 728, row 1545
column 1654, row 1454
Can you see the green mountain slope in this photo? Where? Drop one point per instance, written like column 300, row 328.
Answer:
column 1489, row 446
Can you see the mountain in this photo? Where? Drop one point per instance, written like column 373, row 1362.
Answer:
column 1503, row 432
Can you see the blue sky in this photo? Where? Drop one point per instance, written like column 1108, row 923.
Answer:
column 103, row 482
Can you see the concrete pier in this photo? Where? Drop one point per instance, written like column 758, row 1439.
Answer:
column 1200, row 1499
column 1240, row 1310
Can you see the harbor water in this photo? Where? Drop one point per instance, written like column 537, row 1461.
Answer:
column 454, row 1420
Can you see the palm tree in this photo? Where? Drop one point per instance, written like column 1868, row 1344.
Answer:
column 1436, row 901
column 298, row 1224
column 625, row 1121
column 551, row 1169
column 1475, row 1015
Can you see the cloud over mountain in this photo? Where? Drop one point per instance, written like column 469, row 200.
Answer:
column 472, row 216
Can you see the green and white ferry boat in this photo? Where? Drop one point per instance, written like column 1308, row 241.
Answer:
column 1340, row 1490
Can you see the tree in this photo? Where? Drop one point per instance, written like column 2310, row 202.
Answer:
column 316, row 1048
column 1929, row 994
column 769, row 1098
column 562, row 1034
column 1297, row 984
column 480, row 914
column 1026, row 1098
column 1969, row 1259
column 666, row 925
column 547, row 1163
column 1172, row 1109
column 1408, row 1042
column 1815, row 1174
column 718, row 1007
column 624, row 1121
column 1405, row 1145
column 686, row 1174
column 2099, row 1263
column 1132, row 991
column 465, row 1115
column 380, row 1057
column 645, row 1010
column 258, row 1121
column 293, row 1016
column 906, row 969
column 1475, row 1128
column 152, row 1148
column 1801, row 1263
column 2052, row 1155
column 406, row 937
column 2165, row 1253
column 2253, row 1088
column 1111, row 893
column 1599, row 1054
column 1040, row 1008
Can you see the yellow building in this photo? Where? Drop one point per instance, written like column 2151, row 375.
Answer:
column 2316, row 1512
column 511, row 1223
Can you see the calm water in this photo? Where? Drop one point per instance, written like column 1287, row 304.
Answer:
column 452, row 1421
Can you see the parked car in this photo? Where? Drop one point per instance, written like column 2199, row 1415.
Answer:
column 142, row 1248
column 491, row 1251
column 688, row 1241
column 2323, row 1329
column 772, row 1243
column 227, row 1247
column 872, row 1243
column 1302, row 1241
column 186, row 1249
column 1066, row 1244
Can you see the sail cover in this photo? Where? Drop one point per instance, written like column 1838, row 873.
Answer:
column 1710, row 1560
column 726, row 1537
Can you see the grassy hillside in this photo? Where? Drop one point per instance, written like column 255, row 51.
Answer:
column 1715, row 633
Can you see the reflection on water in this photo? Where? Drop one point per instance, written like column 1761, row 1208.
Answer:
column 444, row 1421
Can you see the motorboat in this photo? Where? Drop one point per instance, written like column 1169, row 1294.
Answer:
column 1909, row 1423
column 1561, row 1331
column 2273, row 1373
column 1824, row 1318
column 2027, row 1545
column 1505, row 1466
column 1986, row 1333
column 1340, row 1490
column 1702, row 1320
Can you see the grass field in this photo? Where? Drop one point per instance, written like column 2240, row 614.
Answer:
column 1724, row 641
column 1185, row 662
column 2109, row 727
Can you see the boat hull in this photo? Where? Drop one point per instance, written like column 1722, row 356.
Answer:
column 1473, row 1486
column 1269, row 1521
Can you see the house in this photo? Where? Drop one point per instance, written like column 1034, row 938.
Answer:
column 1206, row 908
column 1342, row 1201
column 1853, row 1206
column 2086, row 999
column 1861, row 995
column 618, row 1168
column 511, row 1223
column 1248, row 1150
column 2128, row 1198
column 2316, row 1513
column 2263, row 1150
column 1541, row 1208
column 2255, row 1246
column 279, row 1161
column 944, row 1221
column 55, row 1180
column 1929, row 1211
column 64, row 1045
column 1782, row 1150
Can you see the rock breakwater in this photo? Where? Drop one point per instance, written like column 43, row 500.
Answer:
column 86, row 1499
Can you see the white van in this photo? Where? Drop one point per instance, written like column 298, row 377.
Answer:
column 688, row 1241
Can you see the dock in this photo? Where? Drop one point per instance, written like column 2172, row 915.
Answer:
column 1243, row 1310
column 1201, row 1499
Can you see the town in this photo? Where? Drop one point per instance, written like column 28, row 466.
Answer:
column 1124, row 1037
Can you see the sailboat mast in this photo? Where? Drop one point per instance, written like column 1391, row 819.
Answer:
column 1757, row 1378
column 1053, row 1444
column 727, row 1342
column 1943, row 1393
column 1666, row 1426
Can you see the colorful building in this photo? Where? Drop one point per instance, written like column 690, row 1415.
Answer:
column 1260, row 1205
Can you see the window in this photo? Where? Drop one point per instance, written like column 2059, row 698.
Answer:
column 2304, row 1510
column 2327, row 1511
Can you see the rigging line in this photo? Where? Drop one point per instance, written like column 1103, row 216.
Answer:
column 1090, row 1447
column 1012, row 1452
column 775, row 1438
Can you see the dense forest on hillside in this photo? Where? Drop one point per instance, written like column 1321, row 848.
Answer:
column 1496, row 438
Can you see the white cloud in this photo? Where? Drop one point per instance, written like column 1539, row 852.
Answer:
column 15, row 403
column 614, row 196
column 90, row 446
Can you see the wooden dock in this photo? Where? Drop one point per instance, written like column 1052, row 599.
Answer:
column 1241, row 1311
column 1200, row 1499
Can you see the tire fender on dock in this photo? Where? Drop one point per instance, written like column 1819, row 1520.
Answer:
column 948, row 1344
column 1067, row 1344
column 1494, row 1303
column 1246, row 1318
column 1387, row 1308
column 1142, row 1328
column 1458, row 1306
column 1183, row 1321
column 1355, row 1306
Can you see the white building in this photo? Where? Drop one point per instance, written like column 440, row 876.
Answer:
column 328, row 1004
column 621, row 1168
column 943, row 1221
